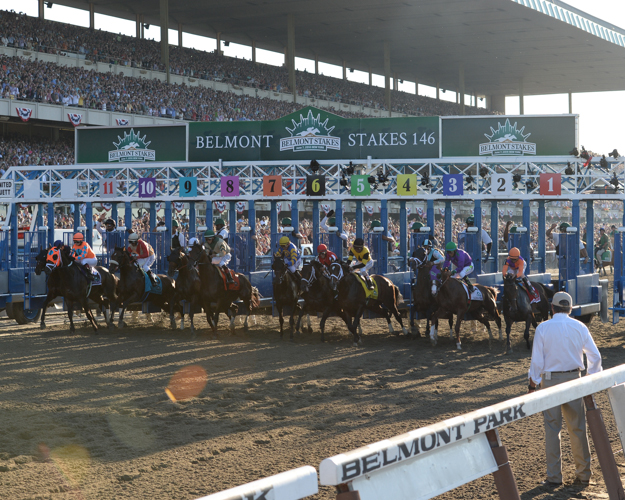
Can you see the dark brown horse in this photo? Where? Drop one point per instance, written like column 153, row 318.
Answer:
column 352, row 298
column 516, row 307
column 69, row 282
column 318, row 296
column 188, row 284
column 423, row 302
column 452, row 299
column 285, row 294
column 131, row 287
column 215, row 298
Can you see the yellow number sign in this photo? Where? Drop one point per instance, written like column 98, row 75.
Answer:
column 407, row 184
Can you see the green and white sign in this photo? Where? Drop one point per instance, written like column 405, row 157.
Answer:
column 312, row 133
column 141, row 144
column 509, row 135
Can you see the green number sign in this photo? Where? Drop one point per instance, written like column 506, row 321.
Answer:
column 360, row 185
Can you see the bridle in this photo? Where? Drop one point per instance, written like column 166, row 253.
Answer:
column 335, row 277
column 312, row 278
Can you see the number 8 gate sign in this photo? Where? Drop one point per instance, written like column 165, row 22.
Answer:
column 453, row 185
column 230, row 185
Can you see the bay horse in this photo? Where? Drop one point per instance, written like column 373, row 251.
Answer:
column 214, row 296
column 452, row 299
column 318, row 296
column 188, row 283
column 69, row 282
column 353, row 300
column 285, row 294
column 423, row 302
column 516, row 307
column 131, row 287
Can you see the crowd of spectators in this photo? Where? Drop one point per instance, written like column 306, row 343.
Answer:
column 82, row 88
column 19, row 150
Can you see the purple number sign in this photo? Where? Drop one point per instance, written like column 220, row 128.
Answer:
column 230, row 185
column 147, row 187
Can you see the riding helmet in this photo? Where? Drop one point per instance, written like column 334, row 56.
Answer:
column 322, row 248
column 209, row 233
column 427, row 243
column 451, row 247
column 563, row 226
column 133, row 237
column 286, row 222
column 285, row 240
column 332, row 222
column 174, row 223
column 58, row 244
column 416, row 226
column 109, row 222
column 470, row 220
column 359, row 242
column 514, row 253
column 376, row 223
column 79, row 237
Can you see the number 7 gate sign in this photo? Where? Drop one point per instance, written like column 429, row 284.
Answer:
column 551, row 184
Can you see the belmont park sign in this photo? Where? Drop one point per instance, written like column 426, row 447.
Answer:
column 312, row 133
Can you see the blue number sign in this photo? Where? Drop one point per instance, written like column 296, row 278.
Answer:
column 453, row 185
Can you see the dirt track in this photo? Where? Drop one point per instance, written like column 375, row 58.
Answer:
column 88, row 417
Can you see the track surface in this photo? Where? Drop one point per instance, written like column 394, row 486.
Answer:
column 87, row 416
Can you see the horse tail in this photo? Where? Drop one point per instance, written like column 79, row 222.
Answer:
column 255, row 298
column 493, row 292
column 399, row 298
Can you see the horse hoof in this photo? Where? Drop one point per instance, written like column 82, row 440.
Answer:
column 355, row 344
column 42, row 326
column 458, row 346
column 433, row 342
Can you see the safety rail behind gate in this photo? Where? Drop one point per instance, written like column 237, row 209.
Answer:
column 35, row 287
column 5, row 242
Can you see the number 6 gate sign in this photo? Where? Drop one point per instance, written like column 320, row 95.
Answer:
column 147, row 187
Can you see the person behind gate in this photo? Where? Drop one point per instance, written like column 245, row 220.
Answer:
column 143, row 254
column 83, row 254
column 219, row 251
column 177, row 238
column 515, row 265
column 360, row 260
column 558, row 356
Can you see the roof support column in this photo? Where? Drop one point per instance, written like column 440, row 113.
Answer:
column 370, row 77
column 91, row 16
column 570, row 103
column 290, row 47
column 164, row 12
column 316, row 64
column 461, row 88
column 344, row 70
column 387, row 76
column 253, row 50
column 138, row 25
column 521, row 103
column 219, row 43
column 41, row 11
column 179, row 34
column 496, row 103
column 142, row 26
column 438, row 91
column 416, row 86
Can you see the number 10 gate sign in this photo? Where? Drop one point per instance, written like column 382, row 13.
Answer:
column 147, row 187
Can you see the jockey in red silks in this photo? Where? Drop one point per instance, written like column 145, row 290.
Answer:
column 325, row 256
column 515, row 265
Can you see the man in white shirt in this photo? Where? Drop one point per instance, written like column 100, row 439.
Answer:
column 558, row 357
column 556, row 239
column 485, row 237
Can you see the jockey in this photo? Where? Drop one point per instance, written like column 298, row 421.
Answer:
column 83, row 254
column 325, row 256
column 435, row 256
column 289, row 252
column 143, row 254
column 515, row 264
column 603, row 245
column 462, row 260
column 219, row 251
column 364, row 262
column 54, row 255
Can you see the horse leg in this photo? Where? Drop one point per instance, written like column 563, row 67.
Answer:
column 434, row 329
column 298, row 324
column 508, row 328
column 451, row 326
column 458, row 323
column 322, row 323
column 172, row 320
column 526, row 333
column 49, row 299
column 89, row 314
column 281, row 320
column 232, row 314
column 397, row 316
column 70, row 315
column 310, row 330
column 294, row 309
column 356, row 326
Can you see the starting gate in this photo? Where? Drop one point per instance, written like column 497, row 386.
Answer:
column 5, row 237
column 161, row 245
column 35, row 287
column 110, row 240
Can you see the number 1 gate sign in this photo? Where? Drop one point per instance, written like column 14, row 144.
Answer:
column 550, row 184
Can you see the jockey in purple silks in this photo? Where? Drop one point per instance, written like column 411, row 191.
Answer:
column 463, row 262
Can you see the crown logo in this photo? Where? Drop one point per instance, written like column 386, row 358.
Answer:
column 310, row 134
column 507, row 140
column 132, row 147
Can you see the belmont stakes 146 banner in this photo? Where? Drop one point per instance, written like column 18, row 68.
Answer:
column 509, row 135
column 311, row 133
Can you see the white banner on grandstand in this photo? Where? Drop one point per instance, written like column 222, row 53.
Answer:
column 7, row 189
column 122, row 122
column 24, row 113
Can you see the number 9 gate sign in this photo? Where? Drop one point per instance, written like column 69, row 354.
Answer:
column 188, row 187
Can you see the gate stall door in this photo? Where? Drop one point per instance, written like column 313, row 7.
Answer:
column 5, row 241
column 111, row 240
column 35, row 286
column 160, row 242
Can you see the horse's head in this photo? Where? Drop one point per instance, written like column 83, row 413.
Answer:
column 41, row 260
column 445, row 274
column 278, row 266
column 419, row 258
column 309, row 276
column 336, row 274
column 177, row 260
column 118, row 259
column 196, row 251
column 509, row 284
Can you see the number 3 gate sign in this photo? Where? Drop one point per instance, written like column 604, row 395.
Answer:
column 453, row 185
column 315, row 185
column 147, row 187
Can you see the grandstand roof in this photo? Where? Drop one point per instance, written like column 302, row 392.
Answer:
column 548, row 45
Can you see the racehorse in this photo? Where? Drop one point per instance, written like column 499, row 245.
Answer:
column 318, row 296
column 452, row 299
column 285, row 294
column 188, row 284
column 214, row 295
column 516, row 307
column 132, row 286
column 69, row 282
column 353, row 300
column 423, row 302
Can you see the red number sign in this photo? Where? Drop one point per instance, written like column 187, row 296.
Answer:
column 550, row 184
column 272, row 185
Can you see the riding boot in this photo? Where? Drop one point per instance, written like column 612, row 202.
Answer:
column 370, row 284
column 152, row 277
column 469, row 284
column 87, row 271
column 226, row 271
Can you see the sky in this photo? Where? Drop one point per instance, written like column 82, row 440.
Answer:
column 600, row 122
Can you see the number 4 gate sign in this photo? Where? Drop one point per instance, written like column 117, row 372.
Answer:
column 147, row 187
column 406, row 184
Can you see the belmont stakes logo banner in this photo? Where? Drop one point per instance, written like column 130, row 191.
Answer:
column 497, row 136
column 143, row 144
column 311, row 133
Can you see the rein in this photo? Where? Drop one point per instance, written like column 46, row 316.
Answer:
column 312, row 278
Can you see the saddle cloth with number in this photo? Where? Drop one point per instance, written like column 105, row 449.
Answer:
column 230, row 286
column 369, row 294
